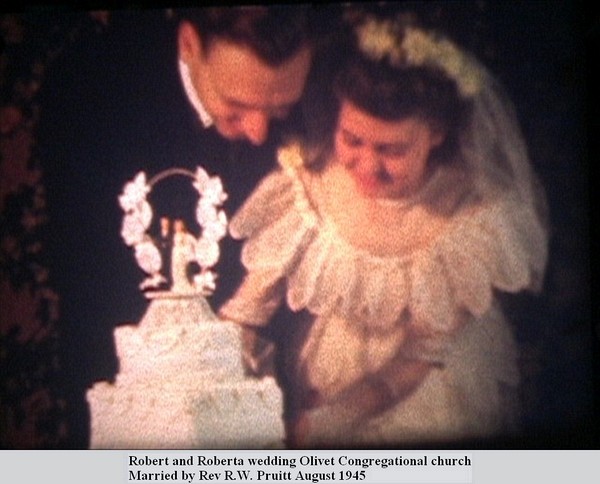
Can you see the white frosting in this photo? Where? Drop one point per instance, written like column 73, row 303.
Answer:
column 181, row 384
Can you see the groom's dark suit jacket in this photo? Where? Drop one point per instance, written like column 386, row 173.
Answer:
column 112, row 104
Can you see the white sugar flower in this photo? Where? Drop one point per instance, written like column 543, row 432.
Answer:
column 201, row 179
column 132, row 230
column 206, row 280
column 214, row 192
column 154, row 280
column 206, row 212
column 134, row 192
column 207, row 252
column 148, row 257
column 215, row 229
column 211, row 188
column 145, row 213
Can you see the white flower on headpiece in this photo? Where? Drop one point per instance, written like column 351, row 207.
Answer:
column 380, row 38
column 422, row 49
column 418, row 47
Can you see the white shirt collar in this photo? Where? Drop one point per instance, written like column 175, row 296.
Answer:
column 192, row 95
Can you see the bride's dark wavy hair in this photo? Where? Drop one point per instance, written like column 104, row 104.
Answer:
column 392, row 93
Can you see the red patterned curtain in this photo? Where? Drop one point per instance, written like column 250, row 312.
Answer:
column 31, row 408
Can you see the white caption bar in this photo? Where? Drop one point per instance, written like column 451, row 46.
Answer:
column 367, row 467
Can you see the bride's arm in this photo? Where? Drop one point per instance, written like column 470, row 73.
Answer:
column 326, row 421
column 252, row 307
column 254, row 302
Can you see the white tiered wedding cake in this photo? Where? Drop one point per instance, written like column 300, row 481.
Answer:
column 181, row 383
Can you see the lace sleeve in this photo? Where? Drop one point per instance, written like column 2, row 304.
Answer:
column 275, row 233
column 255, row 301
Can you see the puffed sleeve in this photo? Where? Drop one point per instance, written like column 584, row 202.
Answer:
column 275, row 233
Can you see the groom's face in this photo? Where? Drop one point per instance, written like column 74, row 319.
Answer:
column 241, row 92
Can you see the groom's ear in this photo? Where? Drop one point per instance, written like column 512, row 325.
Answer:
column 189, row 43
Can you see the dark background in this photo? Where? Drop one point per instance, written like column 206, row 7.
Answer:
column 95, row 95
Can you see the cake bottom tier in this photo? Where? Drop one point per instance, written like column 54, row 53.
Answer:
column 245, row 414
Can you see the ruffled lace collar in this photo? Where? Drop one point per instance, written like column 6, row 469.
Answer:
column 498, row 245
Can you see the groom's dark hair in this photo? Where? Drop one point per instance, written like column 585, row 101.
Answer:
column 274, row 33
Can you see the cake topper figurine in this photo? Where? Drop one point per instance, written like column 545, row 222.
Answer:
column 175, row 244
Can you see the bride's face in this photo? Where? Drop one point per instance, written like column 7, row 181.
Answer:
column 386, row 159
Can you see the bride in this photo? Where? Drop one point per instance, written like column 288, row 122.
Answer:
column 394, row 238
column 183, row 254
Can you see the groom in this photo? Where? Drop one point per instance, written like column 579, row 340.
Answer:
column 244, row 67
column 218, row 88
column 243, row 71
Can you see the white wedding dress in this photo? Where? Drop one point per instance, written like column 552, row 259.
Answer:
column 364, row 267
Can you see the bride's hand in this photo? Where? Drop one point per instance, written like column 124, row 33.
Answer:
column 257, row 353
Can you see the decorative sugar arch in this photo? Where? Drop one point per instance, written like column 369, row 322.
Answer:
column 209, row 214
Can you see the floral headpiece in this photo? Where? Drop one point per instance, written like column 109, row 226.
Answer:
column 383, row 38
